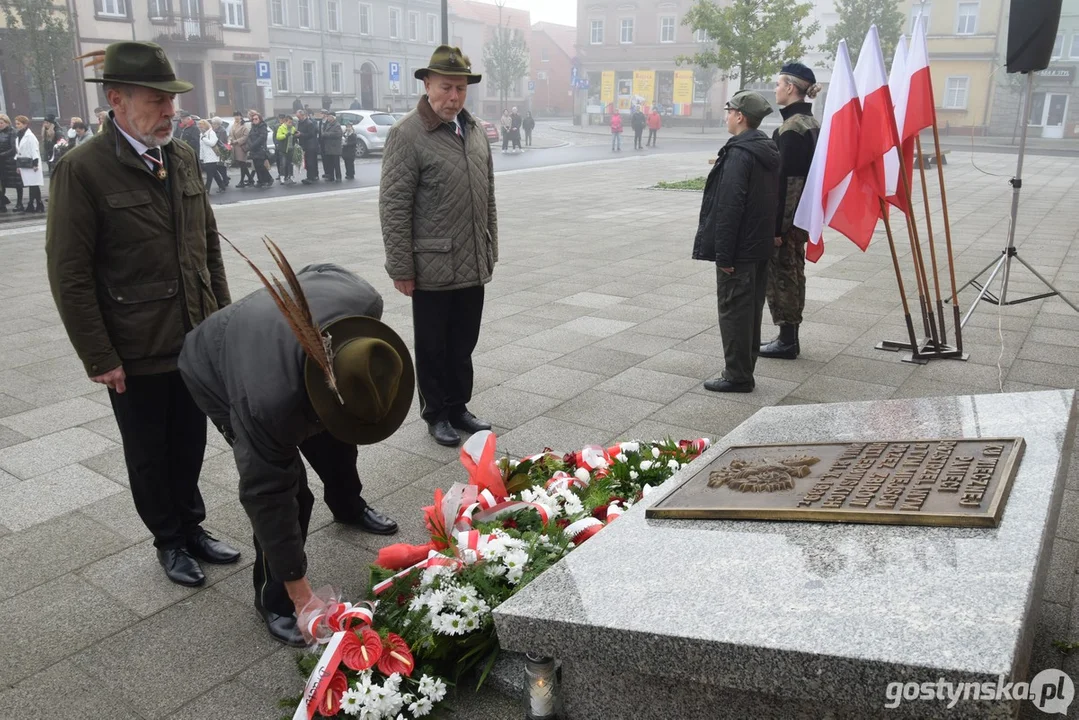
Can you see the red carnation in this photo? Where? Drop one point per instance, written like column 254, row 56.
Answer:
column 396, row 657
column 509, row 524
column 562, row 524
column 331, row 701
column 361, row 649
column 600, row 513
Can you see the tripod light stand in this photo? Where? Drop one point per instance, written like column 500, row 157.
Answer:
column 1005, row 261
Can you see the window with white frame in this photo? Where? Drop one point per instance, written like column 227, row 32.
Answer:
column 395, row 23
column 1058, row 46
column 667, row 29
column 920, row 10
column 956, row 93
column 417, row 87
column 596, row 32
column 626, row 31
column 111, row 8
column 333, row 15
column 366, row 19
column 701, row 36
column 309, row 74
column 967, row 18
column 233, row 10
column 432, row 29
column 282, row 76
column 414, row 26
column 305, row 13
column 159, row 9
column 278, row 13
column 1075, row 46
column 337, row 78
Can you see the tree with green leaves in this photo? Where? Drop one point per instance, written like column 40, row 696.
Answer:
column 40, row 33
column 751, row 39
column 505, row 58
column 855, row 17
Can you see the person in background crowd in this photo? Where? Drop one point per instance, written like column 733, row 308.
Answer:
column 258, row 150
column 28, row 160
column 515, row 129
column 507, row 128
column 616, row 132
column 797, row 141
column 71, row 128
column 348, row 150
column 735, row 232
column 297, row 105
column 286, row 137
column 355, row 105
column 327, row 102
column 102, row 118
column 239, row 138
column 637, row 122
column 331, row 146
column 280, row 136
column 655, row 122
column 208, row 155
column 440, row 229
column 9, row 172
column 528, row 125
column 320, row 123
column 189, row 132
column 223, row 148
column 49, row 136
column 307, row 135
column 82, row 133
column 134, row 264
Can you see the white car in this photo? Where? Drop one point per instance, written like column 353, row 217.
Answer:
column 372, row 129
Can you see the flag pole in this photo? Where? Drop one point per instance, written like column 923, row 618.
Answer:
column 948, row 239
column 919, row 260
column 899, row 276
column 929, row 233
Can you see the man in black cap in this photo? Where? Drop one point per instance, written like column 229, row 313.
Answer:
column 307, row 136
column 135, row 264
column 332, row 138
column 737, row 224
column 797, row 141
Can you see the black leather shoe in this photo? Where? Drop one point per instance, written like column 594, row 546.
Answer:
column 722, row 384
column 180, row 567
column 469, row 423
column 206, row 547
column 370, row 520
column 283, row 628
column 444, row 434
column 784, row 347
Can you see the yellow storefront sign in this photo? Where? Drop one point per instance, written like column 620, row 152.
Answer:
column 606, row 92
column 644, row 85
column 683, row 87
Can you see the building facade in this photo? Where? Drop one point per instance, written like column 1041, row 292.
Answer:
column 486, row 18
column 627, row 50
column 552, row 51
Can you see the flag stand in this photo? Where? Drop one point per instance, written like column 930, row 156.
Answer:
column 1010, row 251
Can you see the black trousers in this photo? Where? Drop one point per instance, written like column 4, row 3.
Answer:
column 246, row 176
column 741, row 307
column 262, row 172
column 164, row 435
column 213, row 172
column 332, row 164
column 637, row 134
column 652, row 137
column 528, row 138
column 310, row 161
column 447, row 326
column 335, row 464
column 350, row 166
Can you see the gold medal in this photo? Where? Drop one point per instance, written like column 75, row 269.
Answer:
column 162, row 174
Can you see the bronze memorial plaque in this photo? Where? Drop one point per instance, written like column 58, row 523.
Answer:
column 962, row 483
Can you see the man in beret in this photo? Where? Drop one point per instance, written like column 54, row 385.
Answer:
column 736, row 229
column 134, row 264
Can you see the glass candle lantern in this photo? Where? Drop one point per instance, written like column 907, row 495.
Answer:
column 541, row 688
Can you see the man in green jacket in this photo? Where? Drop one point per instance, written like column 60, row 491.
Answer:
column 437, row 207
column 135, row 263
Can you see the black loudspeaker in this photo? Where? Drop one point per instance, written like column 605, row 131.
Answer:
column 1032, row 32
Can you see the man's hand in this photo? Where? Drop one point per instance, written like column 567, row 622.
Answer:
column 728, row 270
column 300, row 593
column 778, row 241
column 405, row 287
column 114, row 379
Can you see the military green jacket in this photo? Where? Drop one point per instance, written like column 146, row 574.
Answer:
column 134, row 262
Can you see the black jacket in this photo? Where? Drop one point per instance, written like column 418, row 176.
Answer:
column 529, row 123
column 638, row 120
column 192, row 136
column 796, row 139
column 307, row 132
column 256, row 142
column 9, row 171
column 738, row 211
column 245, row 370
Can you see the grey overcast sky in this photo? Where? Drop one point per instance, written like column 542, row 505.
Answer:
column 563, row 12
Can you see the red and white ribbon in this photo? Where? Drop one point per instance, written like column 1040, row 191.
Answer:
column 338, row 617
column 508, row 508
column 485, row 500
column 562, row 480
column 593, row 457
column 434, row 559
column 472, row 546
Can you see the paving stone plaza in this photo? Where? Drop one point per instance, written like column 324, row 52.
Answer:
column 597, row 327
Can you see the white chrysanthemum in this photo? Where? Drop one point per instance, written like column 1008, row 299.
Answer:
column 570, row 501
column 461, row 597
column 434, row 572
column 539, row 497
column 421, row 707
column 392, row 703
column 515, row 559
column 673, row 464
column 393, row 682
column 631, row 447
column 470, row 623
column 351, row 702
column 427, row 684
column 582, row 475
column 494, row 570
column 633, row 474
column 437, row 690
column 450, row 624
column 621, row 457
column 513, row 575
column 655, row 452
column 646, row 465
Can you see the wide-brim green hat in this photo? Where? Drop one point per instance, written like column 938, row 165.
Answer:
column 140, row 63
column 375, row 380
column 447, row 60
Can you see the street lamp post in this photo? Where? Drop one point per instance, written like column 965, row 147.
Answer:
column 445, row 22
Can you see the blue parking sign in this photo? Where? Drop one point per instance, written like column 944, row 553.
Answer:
column 262, row 69
column 395, row 72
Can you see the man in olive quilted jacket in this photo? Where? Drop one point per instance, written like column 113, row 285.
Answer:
column 437, row 207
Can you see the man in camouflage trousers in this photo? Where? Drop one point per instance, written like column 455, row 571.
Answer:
column 797, row 140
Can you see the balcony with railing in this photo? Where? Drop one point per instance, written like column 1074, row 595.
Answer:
column 197, row 30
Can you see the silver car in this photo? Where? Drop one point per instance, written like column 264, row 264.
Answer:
column 372, row 129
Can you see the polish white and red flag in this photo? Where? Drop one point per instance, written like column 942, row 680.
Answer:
column 918, row 111
column 860, row 209
column 899, row 87
column 835, row 157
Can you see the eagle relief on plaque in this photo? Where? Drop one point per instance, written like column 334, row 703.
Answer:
column 960, row 482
